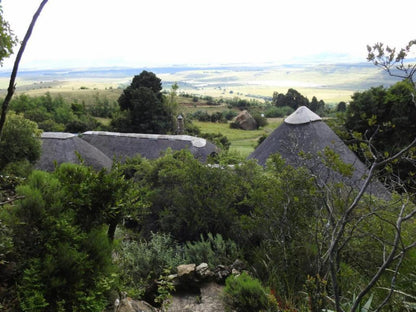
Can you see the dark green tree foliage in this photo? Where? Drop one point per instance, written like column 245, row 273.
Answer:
column 59, row 266
column 294, row 99
column 53, row 113
column 20, row 142
column 145, row 106
column 284, row 202
column 342, row 106
column 96, row 198
column 189, row 199
column 387, row 116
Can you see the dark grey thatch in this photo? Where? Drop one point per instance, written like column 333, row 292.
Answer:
column 60, row 148
column 150, row 146
column 301, row 140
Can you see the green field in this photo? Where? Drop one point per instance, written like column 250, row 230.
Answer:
column 242, row 141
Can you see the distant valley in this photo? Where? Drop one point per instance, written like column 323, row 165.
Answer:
column 329, row 82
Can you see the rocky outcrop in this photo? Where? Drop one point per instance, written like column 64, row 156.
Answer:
column 198, row 289
column 245, row 121
column 130, row 305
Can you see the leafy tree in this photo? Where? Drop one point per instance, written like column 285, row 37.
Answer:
column 8, row 39
column 188, row 199
column 292, row 98
column 281, row 228
column 317, row 106
column 342, row 106
column 144, row 103
column 97, row 198
column 393, row 61
column 20, row 141
column 59, row 266
column 386, row 117
column 54, row 113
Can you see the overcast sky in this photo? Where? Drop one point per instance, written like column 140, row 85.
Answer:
column 84, row 33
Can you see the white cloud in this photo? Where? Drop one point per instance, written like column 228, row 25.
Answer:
column 137, row 32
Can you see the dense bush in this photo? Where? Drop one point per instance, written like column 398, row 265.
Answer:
column 214, row 250
column 54, row 113
column 59, row 266
column 274, row 111
column 19, row 144
column 214, row 117
column 141, row 262
column 260, row 120
column 246, row 294
column 103, row 107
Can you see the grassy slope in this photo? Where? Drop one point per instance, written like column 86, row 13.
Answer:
column 242, row 141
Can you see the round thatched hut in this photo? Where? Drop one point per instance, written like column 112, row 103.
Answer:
column 302, row 139
column 150, row 146
column 58, row 148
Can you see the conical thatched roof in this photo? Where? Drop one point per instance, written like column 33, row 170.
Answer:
column 150, row 146
column 60, row 147
column 304, row 132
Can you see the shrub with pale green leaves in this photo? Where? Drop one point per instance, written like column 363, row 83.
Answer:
column 214, row 250
column 244, row 293
column 141, row 262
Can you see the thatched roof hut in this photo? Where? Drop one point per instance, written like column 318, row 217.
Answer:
column 58, row 148
column 304, row 132
column 150, row 146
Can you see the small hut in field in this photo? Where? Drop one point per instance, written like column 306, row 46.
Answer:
column 150, row 146
column 59, row 147
column 302, row 139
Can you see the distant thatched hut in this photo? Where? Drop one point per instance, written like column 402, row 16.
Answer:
column 304, row 133
column 58, row 148
column 150, row 146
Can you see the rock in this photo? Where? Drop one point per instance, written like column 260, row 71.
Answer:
column 245, row 121
column 203, row 272
column 238, row 265
column 186, row 269
column 130, row 305
column 221, row 272
column 208, row 300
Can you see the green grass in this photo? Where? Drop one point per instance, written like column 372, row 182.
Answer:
column 242, row 141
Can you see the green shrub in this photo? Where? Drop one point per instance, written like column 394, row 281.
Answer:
column 214, row 250
column 140, row 263
column 20, row 141
column 260, row 120
column 246, row 294
column 59, row 266
column 273, row 111
column 229, row 114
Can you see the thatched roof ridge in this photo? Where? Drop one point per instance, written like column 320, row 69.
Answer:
column 301, row 116
column 150, row 146
column 311, row 138
column 61, row 147
column 195, row 141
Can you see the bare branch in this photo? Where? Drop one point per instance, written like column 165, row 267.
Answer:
column 10, row 200
column 12, row 86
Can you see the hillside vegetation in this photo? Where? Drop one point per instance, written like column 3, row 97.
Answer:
column 76, row 239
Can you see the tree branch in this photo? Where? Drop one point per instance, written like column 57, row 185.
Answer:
column 12, row 86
